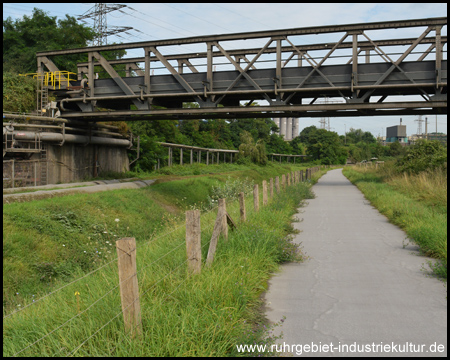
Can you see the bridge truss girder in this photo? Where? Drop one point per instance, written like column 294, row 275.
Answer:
column 287, row 90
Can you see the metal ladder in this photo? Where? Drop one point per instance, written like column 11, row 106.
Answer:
column 42, row 96
column 44, row 164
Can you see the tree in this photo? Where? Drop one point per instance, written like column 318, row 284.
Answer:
column 324, row 145
column 249, row 151
column 395, row 149
column 297, row 147
column 277, row 145
column 258, row 128
column 24, row 37
column 368, row 138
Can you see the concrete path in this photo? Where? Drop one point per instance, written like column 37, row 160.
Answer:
column 66, row 189
column 360, row 288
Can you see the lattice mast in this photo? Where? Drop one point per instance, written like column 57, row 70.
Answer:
column 98, row 13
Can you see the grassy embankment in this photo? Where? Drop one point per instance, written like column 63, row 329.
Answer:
column 416, row 203
column 49, row 243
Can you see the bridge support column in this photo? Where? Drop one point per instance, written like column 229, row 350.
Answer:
column 288, row 129
column 283, row 127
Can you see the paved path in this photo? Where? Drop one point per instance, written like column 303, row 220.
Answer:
column 360, row 285
column 67, row 189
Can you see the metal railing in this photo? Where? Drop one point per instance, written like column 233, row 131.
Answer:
column 54, row 79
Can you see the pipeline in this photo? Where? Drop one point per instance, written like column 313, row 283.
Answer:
column 50, row 119
column 70, row 138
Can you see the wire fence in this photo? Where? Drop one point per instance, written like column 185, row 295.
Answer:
column 210, row 224
column 23, row 173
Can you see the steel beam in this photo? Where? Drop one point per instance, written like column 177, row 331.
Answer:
column 286, row 88
column 258, row 34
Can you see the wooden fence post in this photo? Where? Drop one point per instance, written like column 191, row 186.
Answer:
column 264, row 186
column 223, row 205
column 271, row 187
column 193, row 241
column 256, row 197
column 220, row 226
column 242, row 207
column 283, row 181
column 129, row 291
column 288, row 175
column 277, row 184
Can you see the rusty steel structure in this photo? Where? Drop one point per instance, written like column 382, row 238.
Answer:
column 366, row 73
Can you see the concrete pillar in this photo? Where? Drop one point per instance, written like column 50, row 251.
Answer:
column 295, row 127
column 283, row 127
column 277, row 122
column 288, row 129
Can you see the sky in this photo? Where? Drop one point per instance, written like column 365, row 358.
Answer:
column 160, row 21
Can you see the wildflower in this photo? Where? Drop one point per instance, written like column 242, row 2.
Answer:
column 64, row 245
column 116, row 220
column 105, row 232
column 77, row 293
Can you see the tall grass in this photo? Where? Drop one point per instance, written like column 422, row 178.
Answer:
column 51, row 242
column 429, row 186
column 416, row 203
column 182, row 315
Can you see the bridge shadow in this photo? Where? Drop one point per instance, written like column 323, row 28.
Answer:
column 333, row 183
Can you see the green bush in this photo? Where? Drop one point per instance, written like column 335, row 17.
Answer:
column 424, row 155
column 19, row 93
column 229, row 190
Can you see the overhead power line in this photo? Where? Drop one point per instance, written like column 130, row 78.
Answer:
column 98, row 13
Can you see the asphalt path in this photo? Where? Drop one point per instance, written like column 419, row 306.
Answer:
column 361, row 289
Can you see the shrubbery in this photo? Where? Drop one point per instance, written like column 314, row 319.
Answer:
column 19, row 93
column 424, row 155
column 230, row 190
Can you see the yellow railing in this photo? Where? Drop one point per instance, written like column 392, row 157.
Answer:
column 54, row 79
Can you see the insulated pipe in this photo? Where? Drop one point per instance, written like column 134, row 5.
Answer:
column 34, row 117
column 60, row 128
column 70, row 138
column 50, row 119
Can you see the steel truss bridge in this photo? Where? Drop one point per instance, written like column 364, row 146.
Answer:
column 288, row 73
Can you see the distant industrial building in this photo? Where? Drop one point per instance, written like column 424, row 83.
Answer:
column 396, row 133
column 289, row 127
column 441, row 137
